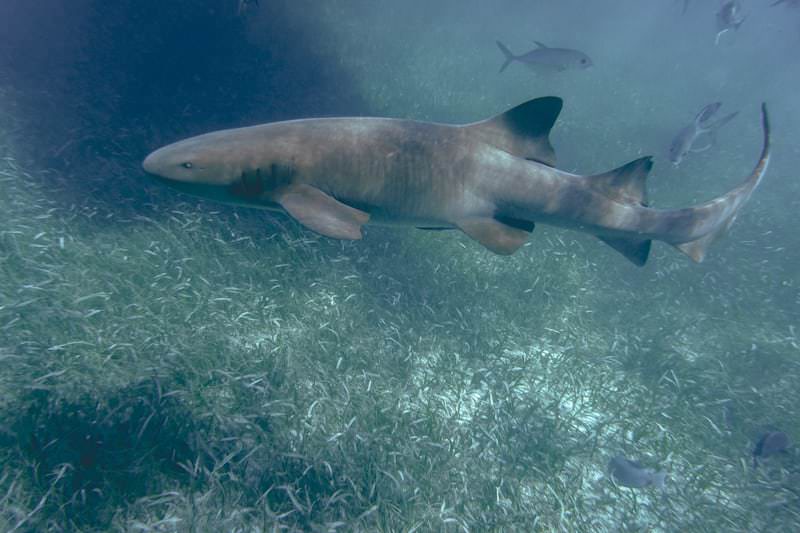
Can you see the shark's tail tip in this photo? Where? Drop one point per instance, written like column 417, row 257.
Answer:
column 728, row 205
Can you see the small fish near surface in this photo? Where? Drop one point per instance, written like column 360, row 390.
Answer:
column 684, row 142
column 632, row 474
column 771, row 443
column 245, row 6
column 547, row 60
column 729, row 17
column 788, row 3
column 494, row 180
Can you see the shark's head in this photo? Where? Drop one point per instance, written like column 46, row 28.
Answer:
column 207, row 159
column 242, row 165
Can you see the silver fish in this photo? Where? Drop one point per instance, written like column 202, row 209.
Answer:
column 546, row 59
column 632, row 474
column 684, row 142
column 729, row 17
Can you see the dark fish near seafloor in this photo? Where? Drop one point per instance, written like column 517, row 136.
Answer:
column 771, row 443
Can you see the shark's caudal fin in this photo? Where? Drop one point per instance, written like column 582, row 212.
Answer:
column 720, row 213
column 507, row 54
column 523, row 130
column 627, row 185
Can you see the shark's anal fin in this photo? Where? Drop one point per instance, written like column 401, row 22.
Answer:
column 321, row 212
column 495, row 235
column 634, row 250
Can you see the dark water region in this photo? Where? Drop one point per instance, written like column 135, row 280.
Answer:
column 171, row 364
column 99, row 84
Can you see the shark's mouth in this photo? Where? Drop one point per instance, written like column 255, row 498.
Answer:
column 219, row 193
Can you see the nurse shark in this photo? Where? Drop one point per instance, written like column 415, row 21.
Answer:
column 493, row 180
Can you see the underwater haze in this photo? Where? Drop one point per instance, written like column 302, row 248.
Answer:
column 172, row 364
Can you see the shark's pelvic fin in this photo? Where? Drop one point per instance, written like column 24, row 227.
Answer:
column 495, row 235
column 321, row 212
column 523, row 130
column 626, row 184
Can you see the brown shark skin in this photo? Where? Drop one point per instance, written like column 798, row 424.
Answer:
column 432, row 175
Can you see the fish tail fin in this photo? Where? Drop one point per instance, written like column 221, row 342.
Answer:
column 508, row 55
column 724, row 120
column 658, row 479
column 704, row 224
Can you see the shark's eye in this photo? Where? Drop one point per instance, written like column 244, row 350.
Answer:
column 186, row 165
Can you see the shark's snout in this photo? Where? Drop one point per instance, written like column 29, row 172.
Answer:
column 148, row 165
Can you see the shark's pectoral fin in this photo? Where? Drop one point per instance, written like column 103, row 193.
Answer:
column 636, row 251
column 321, row 212
column 495, row 235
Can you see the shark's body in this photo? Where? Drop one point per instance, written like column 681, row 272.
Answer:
column 493, row 180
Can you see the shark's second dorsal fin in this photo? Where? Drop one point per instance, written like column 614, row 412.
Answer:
column 626, row 184
column 523, row 130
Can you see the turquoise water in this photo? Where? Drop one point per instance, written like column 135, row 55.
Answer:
column 170, row 364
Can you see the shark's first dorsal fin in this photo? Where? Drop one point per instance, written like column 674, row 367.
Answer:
column 626, row 184
column 540, row 44
column 523, row 130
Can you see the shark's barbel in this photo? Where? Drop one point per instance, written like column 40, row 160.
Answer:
column 493, row 180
